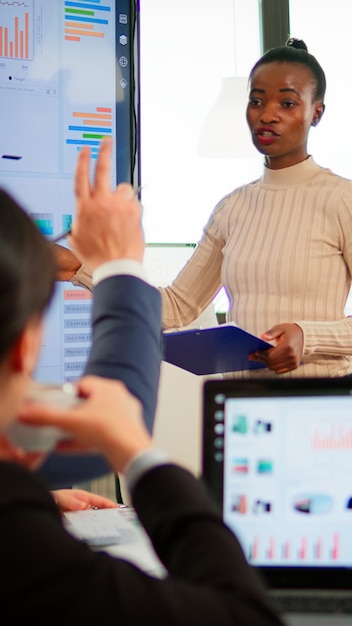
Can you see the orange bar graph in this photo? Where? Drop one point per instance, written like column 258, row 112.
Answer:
column 14, row 43
column 16, row 37
column 26, row 35
column 74, row 31
column 21, row 44
column 98, row 123
column 82, row 26
column 92, row 115
column 78, row 33
column 6, row 42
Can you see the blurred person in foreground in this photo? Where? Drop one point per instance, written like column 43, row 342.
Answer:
column 49, row 577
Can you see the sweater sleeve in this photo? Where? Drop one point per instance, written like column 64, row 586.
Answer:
column 199, row 280
column 334, row 337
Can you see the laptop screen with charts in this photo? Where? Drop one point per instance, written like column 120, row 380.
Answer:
column 277, row 455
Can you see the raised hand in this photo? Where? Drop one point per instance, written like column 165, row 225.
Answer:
column 108, row 221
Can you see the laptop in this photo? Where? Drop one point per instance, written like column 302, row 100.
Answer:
column 277, row 456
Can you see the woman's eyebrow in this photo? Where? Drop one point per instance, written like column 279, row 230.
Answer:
column 256, row 90
column 290, row 89
column 283, row 90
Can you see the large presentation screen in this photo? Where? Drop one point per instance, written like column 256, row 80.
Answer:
column 66, row 80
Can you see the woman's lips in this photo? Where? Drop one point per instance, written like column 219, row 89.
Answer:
column 266, row 136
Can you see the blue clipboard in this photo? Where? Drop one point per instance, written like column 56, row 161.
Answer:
column 216, row 350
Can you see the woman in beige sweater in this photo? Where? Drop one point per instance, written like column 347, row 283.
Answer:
column 281, row 245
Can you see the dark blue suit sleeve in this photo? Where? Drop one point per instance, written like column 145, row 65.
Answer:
column 126, row 346
column 127, row 338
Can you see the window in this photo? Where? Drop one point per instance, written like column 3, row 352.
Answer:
column 186, row 50
column 326, row 29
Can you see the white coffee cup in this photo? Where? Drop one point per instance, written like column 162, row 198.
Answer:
column 43, row 438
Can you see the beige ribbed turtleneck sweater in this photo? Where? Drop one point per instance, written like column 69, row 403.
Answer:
column 282, row 247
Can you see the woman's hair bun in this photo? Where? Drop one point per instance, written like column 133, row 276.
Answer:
column 296, row 43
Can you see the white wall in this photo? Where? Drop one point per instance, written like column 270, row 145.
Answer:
column 187, row 48
column 326, row 29
column 178, row 425
column 178, row 421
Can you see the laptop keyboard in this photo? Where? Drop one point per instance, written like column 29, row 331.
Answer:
column 314, row 601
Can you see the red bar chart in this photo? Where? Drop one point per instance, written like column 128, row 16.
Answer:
column 311, row 548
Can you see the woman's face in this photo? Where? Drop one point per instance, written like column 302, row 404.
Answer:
column 281, row 110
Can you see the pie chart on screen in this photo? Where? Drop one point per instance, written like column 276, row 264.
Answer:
column 313, row 503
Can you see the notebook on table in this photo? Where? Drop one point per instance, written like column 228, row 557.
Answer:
column 277, row 455
column 118, row 532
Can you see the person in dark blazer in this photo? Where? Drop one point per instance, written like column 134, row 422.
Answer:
column 47, row 576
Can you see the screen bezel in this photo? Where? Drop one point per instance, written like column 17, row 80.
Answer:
column 127, row 124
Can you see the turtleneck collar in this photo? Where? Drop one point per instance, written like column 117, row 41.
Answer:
column 293, row 175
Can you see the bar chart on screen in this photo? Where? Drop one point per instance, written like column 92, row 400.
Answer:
column 66, row 81
column 16, row 29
